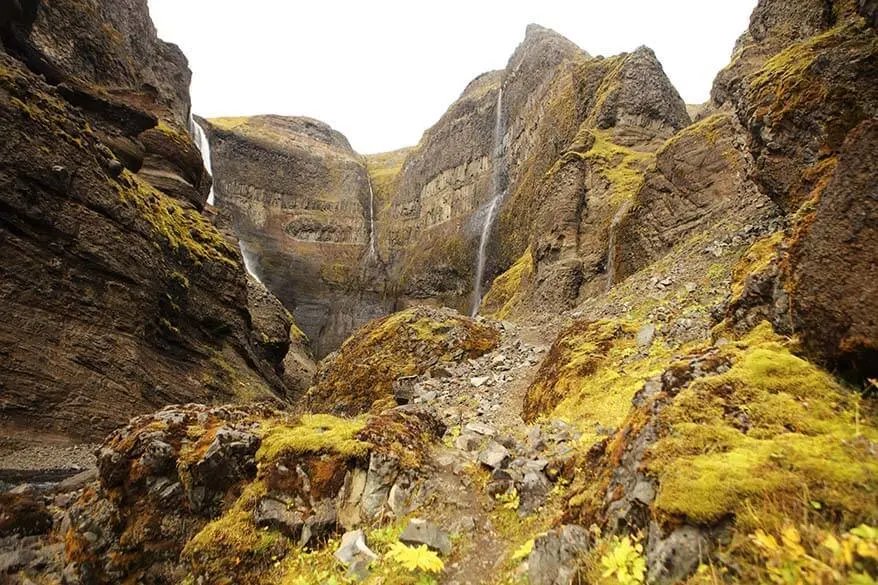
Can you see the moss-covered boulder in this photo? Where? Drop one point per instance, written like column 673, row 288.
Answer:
column 222, row 493
column 360, row 376
column 508, row 289
column 729, row 446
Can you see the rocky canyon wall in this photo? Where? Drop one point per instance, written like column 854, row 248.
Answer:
column 118, row 296
column 298, row 197
column 302, row 202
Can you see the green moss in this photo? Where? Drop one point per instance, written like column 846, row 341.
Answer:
column 770, row 435
column 315, row 434
column 231, row 549
column 591, row 374
column 508, row 289
column 186, row 231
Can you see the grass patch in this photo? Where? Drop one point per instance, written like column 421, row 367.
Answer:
column 315, row 433
column 768, row 437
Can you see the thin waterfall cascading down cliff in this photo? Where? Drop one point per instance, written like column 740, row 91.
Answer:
column 249, row 261
column 493, row 206
column 611, row 243
column 373, row 253
column 204, row 146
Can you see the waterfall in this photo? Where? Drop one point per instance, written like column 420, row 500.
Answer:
column 249, row 261
column 611, row 245
column 493, row 206
column 372, row 247
column 204, row 146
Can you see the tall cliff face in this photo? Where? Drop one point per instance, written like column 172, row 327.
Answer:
column 565, row 119
column 106, row 59
column 118, row 296
column 298, row 196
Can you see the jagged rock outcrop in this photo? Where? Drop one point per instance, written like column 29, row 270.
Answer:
column 804, row 108
column 193, row 492
column 298, row 197
column 700, row 179
column 117, row 298
column 105, row 58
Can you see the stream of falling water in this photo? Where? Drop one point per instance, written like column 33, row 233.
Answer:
column 372, row 248
column 493, row 207
column 249, row 261
column 204, row 146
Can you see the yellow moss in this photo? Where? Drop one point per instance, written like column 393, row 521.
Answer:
column 383, row 170
column 508, row 288
column 709, row 128
column 791, row 80
column 621, row 166
column 770, row 435
column 314, row 433
column 229, row 123
column 231, row 549
column 185, row 230
column 591, row 374
column 183, row 141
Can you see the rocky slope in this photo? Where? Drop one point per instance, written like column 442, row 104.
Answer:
column 118, row 295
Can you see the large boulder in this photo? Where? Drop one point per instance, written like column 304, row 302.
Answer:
column 834, row 263
column 360, row 376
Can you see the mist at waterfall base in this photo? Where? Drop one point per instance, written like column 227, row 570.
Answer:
column 249, row 261
column 497, row 179
column 203, row 144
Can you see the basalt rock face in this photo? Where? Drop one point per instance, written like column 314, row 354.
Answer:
column 298, row 197
column 117, row 298
column 806, row 110
column 105, row 58
column 564, row 135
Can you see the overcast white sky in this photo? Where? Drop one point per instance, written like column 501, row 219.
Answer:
column 381, row 72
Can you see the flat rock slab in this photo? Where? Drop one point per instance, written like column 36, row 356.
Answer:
column 420, row 532
column 494, row 456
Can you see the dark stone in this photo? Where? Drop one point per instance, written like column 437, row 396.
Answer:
column 556, row 555
column 420, row 532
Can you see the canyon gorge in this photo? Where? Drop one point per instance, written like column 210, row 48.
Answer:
column 582, row 332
